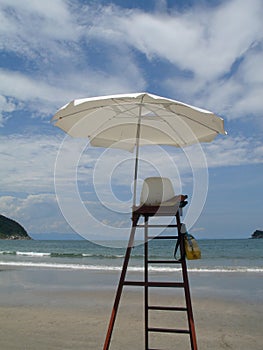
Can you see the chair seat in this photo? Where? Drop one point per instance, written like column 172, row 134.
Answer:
column 167, row 208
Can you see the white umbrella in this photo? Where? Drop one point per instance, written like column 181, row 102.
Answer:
column 129, row 120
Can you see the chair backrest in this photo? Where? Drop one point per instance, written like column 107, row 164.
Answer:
column 156, row 190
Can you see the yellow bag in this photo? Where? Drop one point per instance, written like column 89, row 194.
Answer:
column 192, row 249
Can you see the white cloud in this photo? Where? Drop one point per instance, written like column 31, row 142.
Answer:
column 27, row 163
column 6, row 106
column 217, row 49
column 194, row 40
column 229, row 151
column 27, row 166
column 79, row 50
column 38, row 213
column 28, row 89
column 48, row 35
column 34, row 28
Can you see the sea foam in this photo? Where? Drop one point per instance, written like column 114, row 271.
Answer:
column 153, row 269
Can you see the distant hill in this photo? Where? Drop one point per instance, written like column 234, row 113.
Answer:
column 10, row 229
column 257, row 234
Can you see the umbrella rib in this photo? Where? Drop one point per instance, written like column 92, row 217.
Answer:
column 186, row 117
column 195, row 121
column 100, row 107
column 166, row 122
column 129, row 110
column 182, row 115
column 167, row 107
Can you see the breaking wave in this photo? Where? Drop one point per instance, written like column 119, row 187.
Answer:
column 156, row 269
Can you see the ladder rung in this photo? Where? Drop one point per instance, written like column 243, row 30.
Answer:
column 133, row 283
column 168, row 330
column 162, row 237
column 155, row 284
column 167, row 308
column 156, row 226
column 164, row 262
column 166, row 284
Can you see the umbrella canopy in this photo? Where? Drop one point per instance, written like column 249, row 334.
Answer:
column 129, row 120
column 113, row 121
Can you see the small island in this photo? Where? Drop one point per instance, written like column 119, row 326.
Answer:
column 10, row 229
column 257, row 234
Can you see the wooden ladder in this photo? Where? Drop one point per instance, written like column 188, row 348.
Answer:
column 147, row 212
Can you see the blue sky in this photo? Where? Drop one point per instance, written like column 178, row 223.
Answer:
column 205, row 53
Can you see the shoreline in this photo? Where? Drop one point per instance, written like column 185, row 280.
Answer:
column 204, row 283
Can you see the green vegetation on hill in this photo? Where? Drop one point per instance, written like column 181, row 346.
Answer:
column 10, row 229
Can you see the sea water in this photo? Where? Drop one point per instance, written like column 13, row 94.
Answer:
column 219, row 255
column 229, row 268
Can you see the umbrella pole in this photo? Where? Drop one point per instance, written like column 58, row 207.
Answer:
column 138, row 132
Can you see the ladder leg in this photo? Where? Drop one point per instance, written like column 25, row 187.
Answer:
column 189, row 307
column 121, row 283
column 190, row 316
column 146, row 302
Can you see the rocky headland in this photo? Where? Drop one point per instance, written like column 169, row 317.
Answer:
column 10, row 229
column 257, row 234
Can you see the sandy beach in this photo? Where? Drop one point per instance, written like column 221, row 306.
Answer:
column 55, row 315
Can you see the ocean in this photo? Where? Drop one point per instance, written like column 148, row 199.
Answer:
column 219, row 255
column 229, row 268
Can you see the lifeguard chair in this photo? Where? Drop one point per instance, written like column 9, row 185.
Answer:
column 157, row 200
